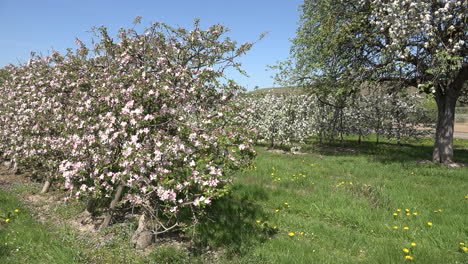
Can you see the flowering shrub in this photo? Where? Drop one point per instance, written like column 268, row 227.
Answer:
column 283, row 119
column 150, row 113
column 279, row 119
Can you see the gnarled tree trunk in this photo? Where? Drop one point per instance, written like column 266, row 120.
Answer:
column 108, row 216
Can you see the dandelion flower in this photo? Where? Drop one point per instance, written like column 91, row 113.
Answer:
column 429, row 223
column 415, row 213
column 259, row 221
column 395, row 214
column 408, row 214
column 351, row 183
column 275, row 227
column 405, row 228
column 16, row 210
column 407, row 210
column 398, row 210
column 462, row 244
column 277, row 210
column 406, row 250
column 413, row 244
column 395, row 227
column 465, row 249
column 301, row 233
column 409, row 257
column 286, row 204
column 7, row 220
column 291, row 234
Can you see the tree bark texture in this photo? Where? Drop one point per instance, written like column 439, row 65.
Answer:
column 443, row 146
column 46, row 186
column 113, row 204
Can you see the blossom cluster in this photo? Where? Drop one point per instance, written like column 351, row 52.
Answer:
column 151, row 112
column 279, row 119
column 436, row 25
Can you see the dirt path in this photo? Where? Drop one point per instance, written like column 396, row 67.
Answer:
column 461, row 127
column 461, row 135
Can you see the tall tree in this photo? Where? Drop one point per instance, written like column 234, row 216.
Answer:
column 421, row 43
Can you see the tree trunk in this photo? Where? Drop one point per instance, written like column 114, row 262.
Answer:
column 142, row 237
column 443, row 146
column 108, row 216
column 47, row 183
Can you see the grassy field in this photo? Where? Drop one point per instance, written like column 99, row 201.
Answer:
column 24, row 240
column 346, row 203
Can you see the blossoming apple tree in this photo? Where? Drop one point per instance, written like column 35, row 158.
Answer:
column 142, row 121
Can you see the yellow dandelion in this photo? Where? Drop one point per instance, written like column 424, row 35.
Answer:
column 440, row 210
column 415, row 213
column 405, row 228
column 395, row 214
column 398, row 210
column 408, row 214
column 291, row 234
column 301, row 233
column 413, row 244
column 462, row 244
column 286, row 203
column 406, row 250
column 409, row 257
column 429, row 223
column 259, row 221
column 277, row 210
column 7, row 220
column 275, row 227
column 395, row 227
column 466, row 196
column 407, row 210
column 16, row 210
column 465, row 249
column 272, row 174
column 351, row 183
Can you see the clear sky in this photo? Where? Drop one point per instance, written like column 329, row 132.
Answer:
column 45, row 25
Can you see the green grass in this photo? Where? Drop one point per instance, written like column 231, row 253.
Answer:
column 342, row 197
column 343, row 222
column 24, row 240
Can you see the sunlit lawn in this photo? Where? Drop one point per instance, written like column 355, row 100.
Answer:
column 343, row 204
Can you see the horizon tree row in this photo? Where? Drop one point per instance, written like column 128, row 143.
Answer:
column 288, row 119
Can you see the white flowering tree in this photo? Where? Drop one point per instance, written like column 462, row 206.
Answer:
column 278, row 118
column 421, row 43
column 288, row 119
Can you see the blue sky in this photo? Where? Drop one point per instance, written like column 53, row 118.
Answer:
column 44, row 25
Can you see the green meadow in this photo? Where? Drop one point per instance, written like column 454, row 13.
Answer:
column 335, row 203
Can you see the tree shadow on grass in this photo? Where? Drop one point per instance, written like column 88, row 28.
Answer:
column 386, row 152
column 231, row 222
